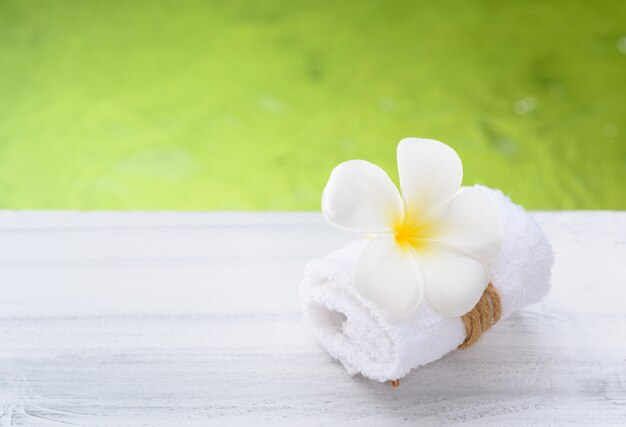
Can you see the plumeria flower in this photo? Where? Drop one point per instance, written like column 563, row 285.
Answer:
column 432, row 242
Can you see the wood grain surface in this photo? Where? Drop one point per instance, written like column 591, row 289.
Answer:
column 165, row 319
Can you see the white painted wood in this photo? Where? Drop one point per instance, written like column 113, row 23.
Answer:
column 193, row 319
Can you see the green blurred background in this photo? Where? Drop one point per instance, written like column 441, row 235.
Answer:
column 249, row 105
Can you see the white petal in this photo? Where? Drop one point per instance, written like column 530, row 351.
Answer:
column 470, row 221
column 453, row 281
column 360, row 196
column 430, row 173
column 386, row 274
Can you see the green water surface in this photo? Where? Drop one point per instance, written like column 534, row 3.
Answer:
column 249, row 105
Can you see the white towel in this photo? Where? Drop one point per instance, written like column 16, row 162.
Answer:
column 367, row 341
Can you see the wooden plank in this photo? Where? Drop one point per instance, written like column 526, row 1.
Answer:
column 193, row 319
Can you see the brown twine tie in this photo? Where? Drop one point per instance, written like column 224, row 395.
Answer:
column 483, row 316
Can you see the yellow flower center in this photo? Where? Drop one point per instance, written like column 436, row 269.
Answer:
column 411, row 232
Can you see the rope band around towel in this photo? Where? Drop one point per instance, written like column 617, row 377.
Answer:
column 483, row 316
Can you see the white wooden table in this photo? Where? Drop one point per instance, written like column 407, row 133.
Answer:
column 193, row 319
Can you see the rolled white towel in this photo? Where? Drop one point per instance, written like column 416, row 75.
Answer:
column 381, row 347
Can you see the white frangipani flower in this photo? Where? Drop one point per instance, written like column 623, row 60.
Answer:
column 432, row 242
